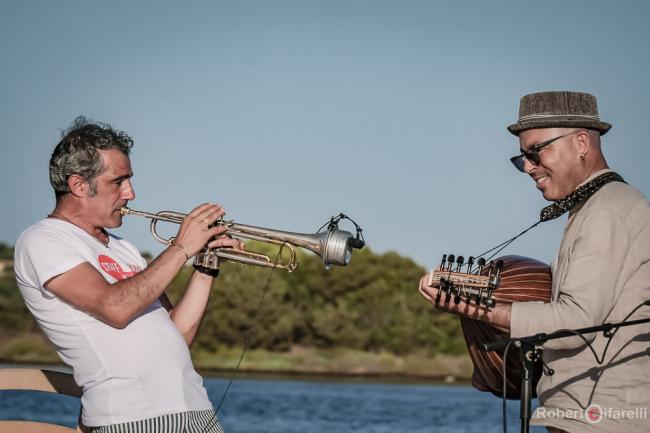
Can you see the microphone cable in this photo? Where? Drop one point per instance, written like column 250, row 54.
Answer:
column 214, row 420
column 332, row 224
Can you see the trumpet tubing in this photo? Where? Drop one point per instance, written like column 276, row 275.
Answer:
column 334, row 247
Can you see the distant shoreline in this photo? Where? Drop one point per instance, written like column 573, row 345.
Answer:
column 248, row 373
column 333, row 376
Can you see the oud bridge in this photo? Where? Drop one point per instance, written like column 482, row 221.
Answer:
column 472, row 282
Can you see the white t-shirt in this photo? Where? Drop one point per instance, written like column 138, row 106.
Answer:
column 141, row 371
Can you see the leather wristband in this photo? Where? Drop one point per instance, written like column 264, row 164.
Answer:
column 214, row 273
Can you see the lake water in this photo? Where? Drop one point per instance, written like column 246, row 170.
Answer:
column 301, row 406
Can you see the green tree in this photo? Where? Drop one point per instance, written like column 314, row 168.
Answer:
column 6, row 251
column 371, row 305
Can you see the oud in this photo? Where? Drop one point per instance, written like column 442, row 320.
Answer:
column 506, row 280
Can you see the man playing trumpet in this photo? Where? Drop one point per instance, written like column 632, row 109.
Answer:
column 102, row 306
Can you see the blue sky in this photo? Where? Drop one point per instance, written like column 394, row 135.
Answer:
column 290, row 112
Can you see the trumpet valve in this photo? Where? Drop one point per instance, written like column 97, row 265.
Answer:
column 207, row 259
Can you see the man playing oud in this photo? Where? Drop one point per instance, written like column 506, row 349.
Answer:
column 600, row 274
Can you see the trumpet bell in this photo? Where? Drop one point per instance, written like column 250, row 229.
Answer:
column 334, row 247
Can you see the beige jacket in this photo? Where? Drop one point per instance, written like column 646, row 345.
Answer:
column 601, row 273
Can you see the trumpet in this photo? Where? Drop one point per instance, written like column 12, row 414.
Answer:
column 334, row 246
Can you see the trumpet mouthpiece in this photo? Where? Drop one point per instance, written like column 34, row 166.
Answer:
column 125, row 211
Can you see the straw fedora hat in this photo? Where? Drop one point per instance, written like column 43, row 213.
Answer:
column 558, row 110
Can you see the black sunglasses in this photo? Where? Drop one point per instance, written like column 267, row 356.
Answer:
column 532, row 154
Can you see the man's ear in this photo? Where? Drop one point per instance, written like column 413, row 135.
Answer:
column 584, row 142
column 78, row 186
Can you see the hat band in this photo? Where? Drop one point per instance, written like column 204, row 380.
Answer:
column 545, row 116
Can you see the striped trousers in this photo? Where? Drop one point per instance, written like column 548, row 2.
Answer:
column 204, row 421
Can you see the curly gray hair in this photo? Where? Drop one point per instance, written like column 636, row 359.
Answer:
column 78, row 153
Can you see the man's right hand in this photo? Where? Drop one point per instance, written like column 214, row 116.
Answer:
column 195, row 231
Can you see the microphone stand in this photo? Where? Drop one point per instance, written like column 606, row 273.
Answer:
column 530, row 354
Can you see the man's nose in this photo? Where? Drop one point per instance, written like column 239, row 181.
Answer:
column 128, row 193
column 528, row 166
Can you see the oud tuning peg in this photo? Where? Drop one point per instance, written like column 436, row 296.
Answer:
column 491, row 270
column 450, row 261
column 448, row 286
column 495, row 276
column 457, row 297
column 448, row 293
column 459, row 262
column 480, row 299
column 470, row 263
column 442, row 286
column 498, row 265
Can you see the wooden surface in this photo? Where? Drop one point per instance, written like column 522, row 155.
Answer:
column 37, row 380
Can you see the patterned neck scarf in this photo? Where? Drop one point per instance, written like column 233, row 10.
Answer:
column 578, row 196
